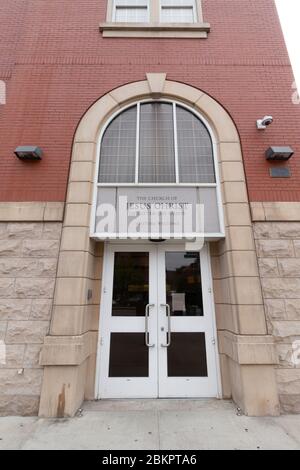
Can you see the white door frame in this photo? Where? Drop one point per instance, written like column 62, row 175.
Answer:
column 147, row 386
column 137, row 387
column 188, row 387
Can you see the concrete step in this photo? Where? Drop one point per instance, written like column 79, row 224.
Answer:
column 158, row 405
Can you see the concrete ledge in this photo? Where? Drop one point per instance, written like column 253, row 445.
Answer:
column 31, row 211
column 275, row 211
column 187, row 30
column 68, row 350
column 248, row 350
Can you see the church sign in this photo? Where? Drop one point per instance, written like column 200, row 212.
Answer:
column 157, row 213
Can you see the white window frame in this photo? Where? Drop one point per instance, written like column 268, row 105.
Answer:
column 189, row 4
column 154, row 28
column 129, row 5
column 137, row 155
column 216, row 185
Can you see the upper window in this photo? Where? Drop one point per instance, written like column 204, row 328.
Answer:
column 131, row 11
column 156, row 142
column 178, row 11
column 155, row 18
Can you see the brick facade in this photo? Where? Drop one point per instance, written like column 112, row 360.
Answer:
column 56, row 64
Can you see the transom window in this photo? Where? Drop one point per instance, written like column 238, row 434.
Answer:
column 131, row 11
column 156, row 142
column 178, row 11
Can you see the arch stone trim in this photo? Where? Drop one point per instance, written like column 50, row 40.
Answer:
column 99, row 112
column 237, row 289
column 156, row 82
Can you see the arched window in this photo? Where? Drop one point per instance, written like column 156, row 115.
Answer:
column 156, row 142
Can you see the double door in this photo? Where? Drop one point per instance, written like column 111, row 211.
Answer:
column 157, row 334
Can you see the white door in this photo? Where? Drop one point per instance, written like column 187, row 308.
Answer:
column 157, row 334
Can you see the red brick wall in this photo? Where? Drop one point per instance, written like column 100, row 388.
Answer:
column 56, row 64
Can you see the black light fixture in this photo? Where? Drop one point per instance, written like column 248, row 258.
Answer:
column 279, row 153
column 29, row 152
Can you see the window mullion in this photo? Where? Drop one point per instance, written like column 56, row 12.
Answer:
column 154, row 11
column 175, row 143
column 137, row 150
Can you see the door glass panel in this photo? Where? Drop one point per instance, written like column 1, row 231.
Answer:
column 187, row 355
column 183, row 283
column 131, row 284
column 128, row 355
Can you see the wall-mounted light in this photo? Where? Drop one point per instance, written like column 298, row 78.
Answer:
column 264, row 122
column 279, row 153
column 29, row 152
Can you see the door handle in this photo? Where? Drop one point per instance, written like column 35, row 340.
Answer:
column 169, row 326
column 147, row 325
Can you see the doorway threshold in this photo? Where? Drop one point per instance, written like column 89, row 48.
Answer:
column 157, row 404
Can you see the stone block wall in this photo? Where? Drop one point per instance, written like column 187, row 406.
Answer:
column 278, row 250
column 28, row 265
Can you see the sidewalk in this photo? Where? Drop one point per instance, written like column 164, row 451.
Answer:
column 153, row 424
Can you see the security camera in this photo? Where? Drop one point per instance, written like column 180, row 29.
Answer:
column 265, row 122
